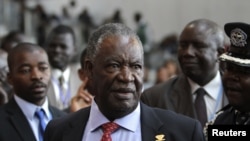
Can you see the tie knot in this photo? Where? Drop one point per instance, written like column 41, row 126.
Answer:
column 61, row 80
column 200, row 92
column 109, row 127
column 40, row 114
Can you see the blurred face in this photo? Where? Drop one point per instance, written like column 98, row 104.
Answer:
column 61, row 49
column 197, row 54
column 236, row 82
column 117, row 74
column 162, row 75
column 30, row 75
column 12, row 43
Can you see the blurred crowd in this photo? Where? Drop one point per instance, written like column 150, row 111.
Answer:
column 34, row 24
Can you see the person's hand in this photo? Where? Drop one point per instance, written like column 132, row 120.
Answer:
column 82, row 99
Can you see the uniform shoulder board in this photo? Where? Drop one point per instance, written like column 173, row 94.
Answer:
column 225, row 108
column 213, row 120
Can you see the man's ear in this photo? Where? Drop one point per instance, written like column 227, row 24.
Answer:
column 81, row 74
column 88, row 65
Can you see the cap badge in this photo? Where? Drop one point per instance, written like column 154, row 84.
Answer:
column 238, row 37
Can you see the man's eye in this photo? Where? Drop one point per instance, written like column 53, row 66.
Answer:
column 44, row 68
column 114, row 66
column 136, row 67
column 24, row 71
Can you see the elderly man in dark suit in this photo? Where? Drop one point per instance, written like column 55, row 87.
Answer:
column 114, row 66
column 29, row 73
column 200, row 44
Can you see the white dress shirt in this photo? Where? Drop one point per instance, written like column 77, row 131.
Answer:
column 129, row 130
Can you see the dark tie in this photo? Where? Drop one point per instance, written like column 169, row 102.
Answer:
column 200, row 106
column 108, row 128
column 41, row 116
column 61, row 81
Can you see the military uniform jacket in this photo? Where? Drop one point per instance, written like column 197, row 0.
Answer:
column 226, row 116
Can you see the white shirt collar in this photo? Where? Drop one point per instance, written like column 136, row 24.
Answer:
column 56, row 73
column 129, row 122
column 29, row 109
column 212, row 88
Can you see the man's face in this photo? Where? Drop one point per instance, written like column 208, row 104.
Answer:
column 197, row 53
column 30, row 75
column 236, row 82
column 61, row 49
column 117, row 76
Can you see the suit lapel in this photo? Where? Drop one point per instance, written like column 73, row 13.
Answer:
column 19, row 121
column 76, row 128
column 181, row 96
column 150, row 124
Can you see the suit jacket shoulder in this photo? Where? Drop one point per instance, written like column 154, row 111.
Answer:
column 68, row 127
column 15, row 126
column 172, row 125
column 173, row 94
column 225, row 116
column 156, row 95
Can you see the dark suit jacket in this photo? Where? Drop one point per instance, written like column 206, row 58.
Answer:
column 154, row 121
column 174, row 94
column 14, row 125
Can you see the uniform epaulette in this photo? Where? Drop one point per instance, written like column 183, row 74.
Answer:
column 213, row 120
column 225, row 108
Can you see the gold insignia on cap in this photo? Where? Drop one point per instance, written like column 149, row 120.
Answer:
column 238, row 37
column 160, row 137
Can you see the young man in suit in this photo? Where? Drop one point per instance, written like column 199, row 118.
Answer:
column 114, row 66
column 29, row 74
column 200, row 44
column 61, row 48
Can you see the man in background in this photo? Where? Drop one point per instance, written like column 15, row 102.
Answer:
column 61, row 48
column 29, row 74
column 200, row 44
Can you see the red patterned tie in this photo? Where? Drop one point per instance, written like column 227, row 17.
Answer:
column 108, row 128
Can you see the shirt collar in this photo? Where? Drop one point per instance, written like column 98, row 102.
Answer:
column 212, row 88
column 56, row 73
column 129, row 122
column 29, row 109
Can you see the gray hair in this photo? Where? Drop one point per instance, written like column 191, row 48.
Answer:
column 105, row 31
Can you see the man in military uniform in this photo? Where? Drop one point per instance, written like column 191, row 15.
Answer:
column 236, row 76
